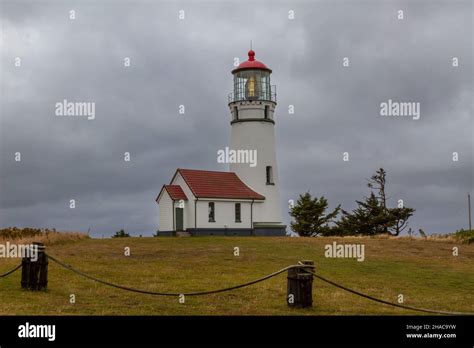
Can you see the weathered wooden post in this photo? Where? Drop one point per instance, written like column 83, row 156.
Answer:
column 300, row 286
column 25, row 272
column 43, row 268
column 34, row 270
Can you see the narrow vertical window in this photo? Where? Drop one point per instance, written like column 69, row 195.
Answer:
column 269, row 174
column 211, row 211
column 237, row 213
column 266, row 112
column 236, row 113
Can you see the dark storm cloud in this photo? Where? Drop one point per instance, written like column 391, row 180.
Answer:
column 188, row 62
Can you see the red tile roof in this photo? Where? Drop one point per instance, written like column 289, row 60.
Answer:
column 211, row 184
column 175, row 192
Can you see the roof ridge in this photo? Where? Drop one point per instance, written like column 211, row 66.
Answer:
column 205, row 170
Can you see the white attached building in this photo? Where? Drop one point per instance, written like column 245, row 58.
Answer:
column 245, row 200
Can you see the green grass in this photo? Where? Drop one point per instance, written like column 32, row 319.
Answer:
column 425, row 272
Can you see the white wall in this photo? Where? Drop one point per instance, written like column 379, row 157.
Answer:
column 258, row 136
column 165, row 207
column 224, row 214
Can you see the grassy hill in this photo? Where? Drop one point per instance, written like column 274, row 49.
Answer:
column 424, row 271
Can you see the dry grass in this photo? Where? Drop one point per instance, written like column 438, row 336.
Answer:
column 46, row 236
column 445, row 238
column 424, row 271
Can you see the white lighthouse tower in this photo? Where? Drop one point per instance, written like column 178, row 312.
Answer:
column 252, row 106
column 244, row 201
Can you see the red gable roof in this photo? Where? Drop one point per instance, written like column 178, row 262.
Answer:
column 211, row 184
column 175, row 192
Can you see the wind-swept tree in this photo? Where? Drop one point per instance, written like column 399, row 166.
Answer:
column 372, row 216
column 377, row 182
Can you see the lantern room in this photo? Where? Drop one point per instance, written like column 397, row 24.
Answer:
column 252, row 81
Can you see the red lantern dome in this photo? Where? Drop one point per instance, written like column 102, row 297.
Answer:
column 251, row 63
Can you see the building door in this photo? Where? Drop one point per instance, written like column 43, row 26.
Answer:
column 179, row 219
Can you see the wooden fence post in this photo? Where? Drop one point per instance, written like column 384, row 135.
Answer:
column 34, row 270
column 300, row 286
column 25, row 272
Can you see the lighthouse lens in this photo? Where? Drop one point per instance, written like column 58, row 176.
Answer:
column 252, row 85
column 251, row 88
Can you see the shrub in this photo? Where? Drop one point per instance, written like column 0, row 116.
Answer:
column 120, row 234
column 464, row 236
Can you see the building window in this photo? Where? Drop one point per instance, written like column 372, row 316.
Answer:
column 266, row 112
column 236, row 113
column 237, row 212
column 269, row 174
column 211, row 211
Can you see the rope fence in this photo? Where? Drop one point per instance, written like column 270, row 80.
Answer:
column 300, row 282
column 306, row 268
column 11, row 271
column 383, row 301
column 198, row 293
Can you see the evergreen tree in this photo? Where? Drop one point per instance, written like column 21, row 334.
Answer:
column 399, row 219
column 368, row 218
column 310, row 216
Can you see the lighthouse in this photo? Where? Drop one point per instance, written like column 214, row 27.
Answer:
column 244, row 201
column 252, row 106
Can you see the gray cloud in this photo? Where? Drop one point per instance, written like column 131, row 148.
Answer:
column 189, row 62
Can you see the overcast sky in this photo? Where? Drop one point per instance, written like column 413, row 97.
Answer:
column 188, row 62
